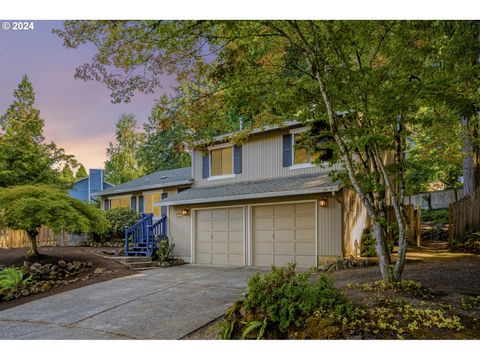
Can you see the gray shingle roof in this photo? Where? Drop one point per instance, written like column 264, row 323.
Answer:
column 284, row 186
column 159, row 179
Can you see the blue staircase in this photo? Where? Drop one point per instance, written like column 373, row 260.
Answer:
column 141, row 238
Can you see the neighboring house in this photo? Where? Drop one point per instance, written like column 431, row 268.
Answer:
column 84, row 188
column 144, row 194
column 263, row 203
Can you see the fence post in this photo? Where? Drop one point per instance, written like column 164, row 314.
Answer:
column 418, row 224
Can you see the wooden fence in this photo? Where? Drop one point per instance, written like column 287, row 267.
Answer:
column 434, row 199
column 464, row 217
column 46, row 237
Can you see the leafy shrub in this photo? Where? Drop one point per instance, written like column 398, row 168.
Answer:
column 119, row 219
column 279, row 303
column 367, row 243
column 165, row 250
column 12, row 279
column 439, row 216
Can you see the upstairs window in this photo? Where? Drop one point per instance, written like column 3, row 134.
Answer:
column 301, row 154
column 222, row 161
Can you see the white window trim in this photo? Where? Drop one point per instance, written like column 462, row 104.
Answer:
column 220, row 177
column 301, row 166
column 223, row 176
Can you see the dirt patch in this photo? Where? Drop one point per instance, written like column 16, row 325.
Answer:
column 16, row 257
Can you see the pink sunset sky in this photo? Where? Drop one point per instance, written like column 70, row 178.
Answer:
column 78, row 115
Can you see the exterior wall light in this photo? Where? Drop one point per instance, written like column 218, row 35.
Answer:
column 323, row 202
column 185, row 212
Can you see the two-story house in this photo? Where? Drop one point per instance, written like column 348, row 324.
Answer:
column 262, row 203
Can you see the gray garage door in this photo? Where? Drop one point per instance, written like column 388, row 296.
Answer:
column 284, row 233
column 219, row 236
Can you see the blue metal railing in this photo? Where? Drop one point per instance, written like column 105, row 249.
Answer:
column 141, row 238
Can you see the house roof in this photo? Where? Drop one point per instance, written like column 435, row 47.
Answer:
column 159, row 179
column 283, row 186
column 259, row 130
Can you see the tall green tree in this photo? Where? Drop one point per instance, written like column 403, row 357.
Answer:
column 366, row 80
column 122, row 163
column 81, row 172
column 67, row 174
column 165, row 141
column 28, row 207
column 25, row 157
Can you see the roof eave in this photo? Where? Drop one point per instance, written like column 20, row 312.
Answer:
column 141, row 188
column 326, row 189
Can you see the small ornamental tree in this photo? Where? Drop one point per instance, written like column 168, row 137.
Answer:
column 28, row 207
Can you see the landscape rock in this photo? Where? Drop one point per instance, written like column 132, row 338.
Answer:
column 98, row 271
column 89, row 264
column 62, row 263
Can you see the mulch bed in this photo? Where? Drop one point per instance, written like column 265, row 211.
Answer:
column 16, row 257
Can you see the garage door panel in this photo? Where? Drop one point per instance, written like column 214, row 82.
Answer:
column 284, row 233
column 236, row 224
column 219, row 236
column 203, row 258
column 305, row 208
column 235, row 213
column 220, row 214
column 263, row 235
column 284, row 222
column 263, row 248
column 220, row 225
column 263, row 223
column 204, row 215
column 282, row 210
column 204, row 236
column 221, row 248
column 305, row 221
column 304, row 248
column 284, row 249
column 305, row 235
column 263, row 260
column 305, row 261
column 235, row 248
column 235, row 236
column 204, row 247
column 281, row 260
column 234, row 259
column 220, row 259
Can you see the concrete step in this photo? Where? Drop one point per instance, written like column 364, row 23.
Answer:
column 142, row 265
column 133, row 259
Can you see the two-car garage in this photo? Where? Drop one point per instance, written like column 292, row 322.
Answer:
column 260, row 235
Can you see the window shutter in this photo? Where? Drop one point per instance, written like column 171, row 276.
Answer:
column 140, row 204
column 133, row 203
column 205, row 165
column 287, row 150
column 237, row 159
column 164, row 208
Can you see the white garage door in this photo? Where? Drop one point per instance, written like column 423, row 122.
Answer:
column 284, row 233
column 219, row 236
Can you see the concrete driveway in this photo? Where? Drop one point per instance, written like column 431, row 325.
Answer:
column 166, row 303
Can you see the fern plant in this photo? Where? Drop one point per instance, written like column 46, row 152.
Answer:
column 11, row 279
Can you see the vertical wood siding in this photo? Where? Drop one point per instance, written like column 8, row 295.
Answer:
column 262, row 159
column 330, row 227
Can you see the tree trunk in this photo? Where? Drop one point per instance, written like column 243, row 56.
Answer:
column 33, row 243
column 469, row 166
column 381, row 248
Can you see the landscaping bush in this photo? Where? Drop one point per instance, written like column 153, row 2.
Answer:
column 119, row 219
column 12, row 280
column 439, row 216
column 278, row 304
column 165, row 249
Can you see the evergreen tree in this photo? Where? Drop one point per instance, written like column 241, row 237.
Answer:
column 67, row 174
column 122, row 163
column 81, row 172
column 25, row 158
column 165, row 142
